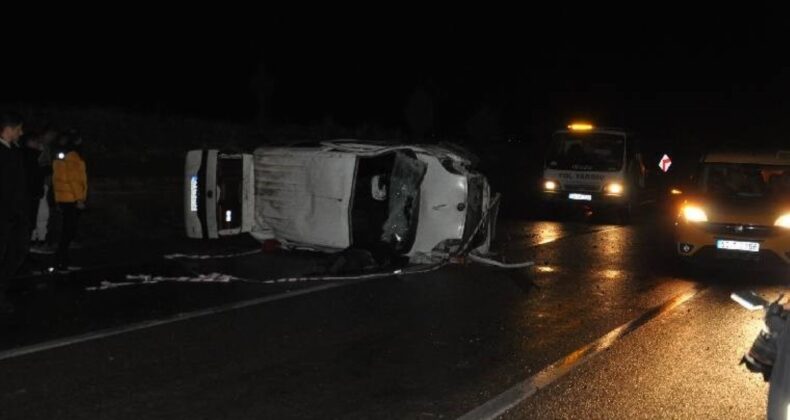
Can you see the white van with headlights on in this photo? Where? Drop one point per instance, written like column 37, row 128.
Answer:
column 419, row 201
column 600, row 168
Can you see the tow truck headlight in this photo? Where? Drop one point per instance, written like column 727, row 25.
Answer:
column 694, row 214
column 783, row 221
column 614, row 188
column 550, row 185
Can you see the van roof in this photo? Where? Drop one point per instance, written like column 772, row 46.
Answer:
column 780, row 157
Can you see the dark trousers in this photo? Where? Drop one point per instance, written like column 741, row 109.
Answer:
column 55, row 221
column 14, row 244
column 70, row 215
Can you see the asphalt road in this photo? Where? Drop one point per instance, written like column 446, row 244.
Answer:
column 604, row 326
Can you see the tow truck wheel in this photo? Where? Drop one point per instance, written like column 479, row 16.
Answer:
column 550, row 211
column 624, row 213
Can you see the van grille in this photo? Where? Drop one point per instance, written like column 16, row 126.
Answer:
column 734, row 229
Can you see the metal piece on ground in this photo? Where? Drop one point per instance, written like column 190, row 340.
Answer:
column 495, row 263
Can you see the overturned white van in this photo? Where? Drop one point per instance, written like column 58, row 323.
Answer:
column 419, row 201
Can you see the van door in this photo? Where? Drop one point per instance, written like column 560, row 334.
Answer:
column 219, row 193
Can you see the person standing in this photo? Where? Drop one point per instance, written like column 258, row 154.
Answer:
column 14, row 204
column 44, row 241
column 32, row 151
column 70, row 184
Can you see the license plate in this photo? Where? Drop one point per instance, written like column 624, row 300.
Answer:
column 585, row 197
column 738, row 245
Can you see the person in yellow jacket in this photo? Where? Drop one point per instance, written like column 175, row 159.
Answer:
column 70, row 185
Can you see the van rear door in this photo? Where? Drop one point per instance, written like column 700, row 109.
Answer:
column 219, row 193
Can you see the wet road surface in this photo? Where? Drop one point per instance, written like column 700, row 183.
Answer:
column 436, row 345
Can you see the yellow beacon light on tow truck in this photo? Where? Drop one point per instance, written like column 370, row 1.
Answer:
column 580, row 127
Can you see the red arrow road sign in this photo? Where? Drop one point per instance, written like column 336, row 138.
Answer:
column 665, row 163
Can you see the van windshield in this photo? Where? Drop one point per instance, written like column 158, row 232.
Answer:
column 746, row 181
column 400, row 228
column 386, row 202
column 586, row 152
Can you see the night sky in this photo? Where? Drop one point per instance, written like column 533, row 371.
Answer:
column 671, row 73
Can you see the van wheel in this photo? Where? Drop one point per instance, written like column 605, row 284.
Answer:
column 685, row 268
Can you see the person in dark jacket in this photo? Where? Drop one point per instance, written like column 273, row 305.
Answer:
column 45, row 204
column 36, row 173
column 14, row 204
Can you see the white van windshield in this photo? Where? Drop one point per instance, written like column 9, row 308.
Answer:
column 586, row 152
column 746, row 181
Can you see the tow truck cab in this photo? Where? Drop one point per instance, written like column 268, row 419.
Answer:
column 596, row 167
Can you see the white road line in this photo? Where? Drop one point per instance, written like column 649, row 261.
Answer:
column 503, row 402
column 68, row 341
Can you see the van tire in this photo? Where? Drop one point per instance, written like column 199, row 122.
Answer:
column 685, row 268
